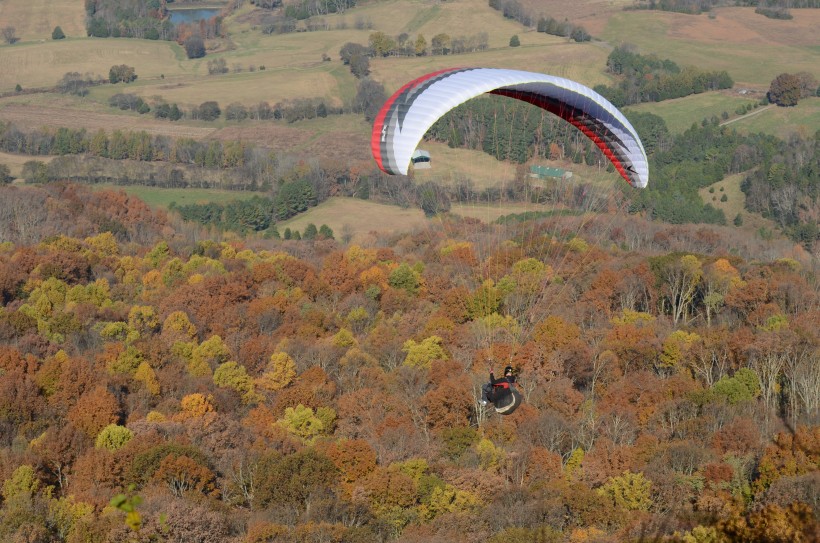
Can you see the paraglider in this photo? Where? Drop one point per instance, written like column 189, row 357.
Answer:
column 409, row 113
column 412, row 110
column 501, row 392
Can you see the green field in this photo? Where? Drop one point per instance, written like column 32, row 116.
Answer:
column 802, row 119
column 681, row 113
column 735, row 201
column 349, row 217
column 159, row 198
column 751, row 48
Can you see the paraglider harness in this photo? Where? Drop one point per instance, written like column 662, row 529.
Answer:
column 502, row 392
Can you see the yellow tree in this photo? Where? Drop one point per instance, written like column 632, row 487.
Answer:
column 421, row 355
column 279, row 373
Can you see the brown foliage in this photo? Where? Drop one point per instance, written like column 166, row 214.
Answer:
column 354, row 458
column 183, row 474
column 95, row 410
column 311, row 389
column 739, row 436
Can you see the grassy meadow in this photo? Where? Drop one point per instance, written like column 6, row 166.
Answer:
column 15, row 162
column 733, row 206
column 802, row 119
column 34, row 20
column 752, row 48
column 349, row 217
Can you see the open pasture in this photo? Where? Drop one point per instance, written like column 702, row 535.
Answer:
column 248, row 88
column 353, row 217
column 734, row 204
column 681, row 113
column 36, row 19
column 802, row 119
column 32, row 116
column 452, row 165
column 341, row 139
column 15, row 162
column 44, row 64
column 592, row 15
column 753, row 49
column 581, row 62
column 428, row 17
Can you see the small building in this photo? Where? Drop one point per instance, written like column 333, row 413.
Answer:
column 421, row 160
column 546, row 172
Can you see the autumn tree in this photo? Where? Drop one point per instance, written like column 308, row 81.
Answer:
column 94, row 411
column 785, row 90
column 680, row 276
column 294, row 479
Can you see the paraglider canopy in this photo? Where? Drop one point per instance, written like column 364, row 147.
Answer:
column 413, row 109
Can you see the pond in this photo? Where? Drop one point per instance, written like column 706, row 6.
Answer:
column 192, row 15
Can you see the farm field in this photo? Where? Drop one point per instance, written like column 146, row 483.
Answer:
column 680, row 113
column 35, row 115
column 36, row 19
column 783, row 122
column 15, row 162
column 730, row 39
column 43, row 64
column 356, row 218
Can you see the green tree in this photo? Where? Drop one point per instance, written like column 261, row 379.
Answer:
column 325, row 232
column 310, row 231
column 420, row 47
column 57, row 33
column 121, row 73
column 744, row 385
column 381, row 44
column 404, row 277
column 5, row 175
column 113, row 437
column 35, row 171
column 208, row 111
column 293, row 198
column 307, row 424
column 514, row 41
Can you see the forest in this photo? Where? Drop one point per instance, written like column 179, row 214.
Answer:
column 158, row 385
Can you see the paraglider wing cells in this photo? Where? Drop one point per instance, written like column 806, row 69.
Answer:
column 413, row 109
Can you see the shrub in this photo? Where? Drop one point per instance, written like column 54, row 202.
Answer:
column 57, row 33
column 208, row 111
column 194, row 47
column 514, row 41
column 123, row 73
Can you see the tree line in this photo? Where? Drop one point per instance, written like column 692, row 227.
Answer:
column 513, row 9
column 647, row 78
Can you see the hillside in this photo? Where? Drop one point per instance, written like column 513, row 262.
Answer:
column 157, row 388
column 221, row 323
